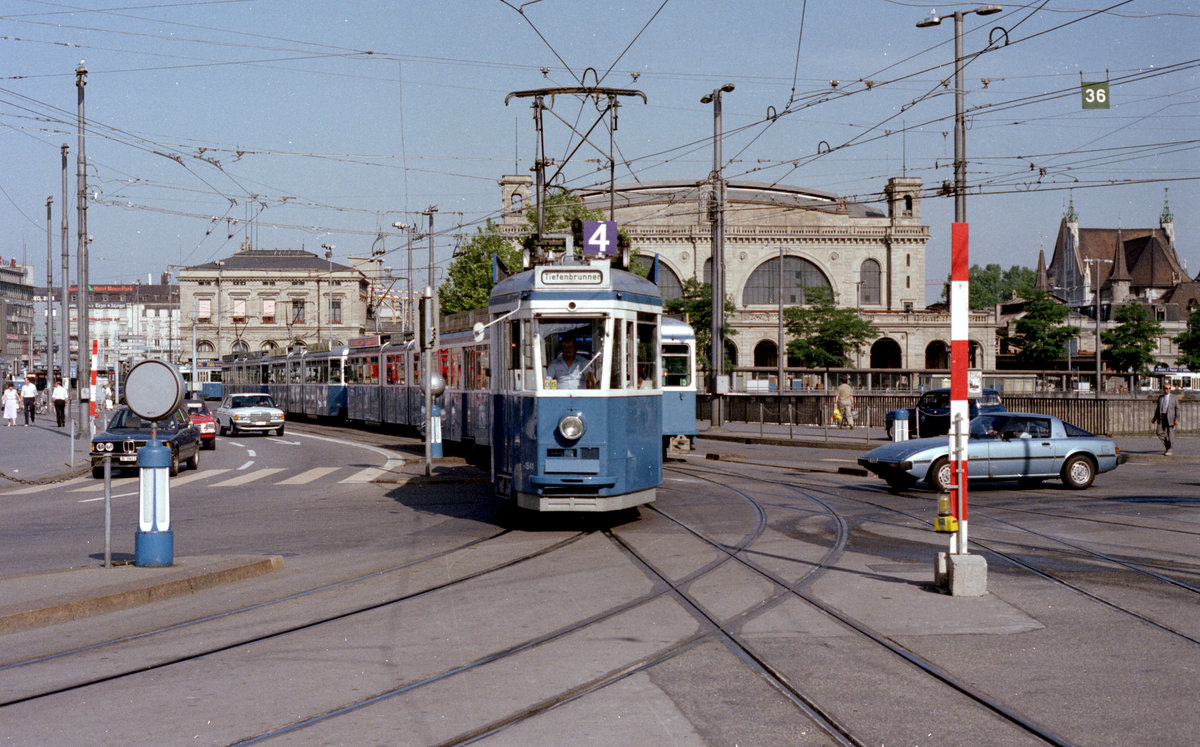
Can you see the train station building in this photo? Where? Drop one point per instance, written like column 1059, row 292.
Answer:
column 871, row 257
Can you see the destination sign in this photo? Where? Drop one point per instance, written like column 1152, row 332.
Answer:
column 580, row 276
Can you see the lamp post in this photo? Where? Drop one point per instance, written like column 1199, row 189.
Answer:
column 329, row 289
column 1096, row 293
column 718, row 255
column 408, row 230
column 960, row 130
column 49, row 294
column 220, row 264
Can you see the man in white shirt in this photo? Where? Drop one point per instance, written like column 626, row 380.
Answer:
column 60, row 396
column 29, row 395
column 568, row 370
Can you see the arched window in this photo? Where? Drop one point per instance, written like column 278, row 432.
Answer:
column 798, row 274
column 518, row 202
column 240, row 346
column 706, row 276
column 204, row 346
column 868, row 289
column 269, row 346
column 885, row 353
column 766, row 354
column 668, row 283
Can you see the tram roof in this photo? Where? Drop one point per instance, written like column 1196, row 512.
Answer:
column 620, row 281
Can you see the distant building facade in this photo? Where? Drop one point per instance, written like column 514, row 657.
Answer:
column 1119, row 266
column 269, row 300
column 872, row 260
column 17, row 346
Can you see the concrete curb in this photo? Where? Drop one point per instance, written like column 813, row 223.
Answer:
column 141, row 586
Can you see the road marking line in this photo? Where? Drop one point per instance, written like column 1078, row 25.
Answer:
column 247, row 464
column 248, row 477
column 308, row 476
column 100, row 498
column 250, row 453
column 373, row 473
column 45, row 486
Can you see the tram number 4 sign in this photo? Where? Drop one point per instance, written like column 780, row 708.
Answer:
column 599, row 238
column 1095, row 95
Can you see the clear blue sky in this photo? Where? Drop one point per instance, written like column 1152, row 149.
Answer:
column 307, row 122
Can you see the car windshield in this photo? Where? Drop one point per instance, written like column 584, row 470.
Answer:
column 196, row 408
column 127, row 419
column 252, row 400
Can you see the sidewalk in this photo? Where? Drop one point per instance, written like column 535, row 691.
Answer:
column 41, row 452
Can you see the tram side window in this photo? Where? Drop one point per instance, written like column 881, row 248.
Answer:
column 571, row 352
column 483, row 379
column 335, row 371
column 393, row 370
column 647, row 351
column 618, row 347
column 520, row 355
column 676, row 371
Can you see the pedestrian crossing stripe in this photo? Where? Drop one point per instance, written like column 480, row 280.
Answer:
column 257, row 474
column 316, row 473
column 88, row 484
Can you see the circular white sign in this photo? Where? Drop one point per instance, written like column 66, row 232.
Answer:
column 154, row 389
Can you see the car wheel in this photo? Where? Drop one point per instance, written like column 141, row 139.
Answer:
column 173, row 470
column 1078, row 472
column 194, row 462
column 233, row 431
column 223, row 430
column 279, row 431
column 900, row 482
column 939, row 474
column 98, row 473
column 889, row 431
column 210, row 444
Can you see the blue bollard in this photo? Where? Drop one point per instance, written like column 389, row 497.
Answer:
column 154, row 542
column 435, row 433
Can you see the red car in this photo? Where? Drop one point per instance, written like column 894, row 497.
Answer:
column 204, row 422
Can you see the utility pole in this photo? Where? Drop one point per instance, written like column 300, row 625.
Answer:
column 1096, row 293
column 82, row 301
column 430, row 211
column 718, row 257
column 65, row 304
column 49, row 295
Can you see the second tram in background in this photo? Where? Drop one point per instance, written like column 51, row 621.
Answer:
column 561, row 386
column 679, row 385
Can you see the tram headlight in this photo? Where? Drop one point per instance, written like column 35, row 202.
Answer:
column 571, row 426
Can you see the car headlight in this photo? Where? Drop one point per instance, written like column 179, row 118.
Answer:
column 571, row 426
column 107, row 446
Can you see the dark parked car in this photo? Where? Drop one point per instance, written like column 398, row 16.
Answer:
column 127, row 432
column 931, row 416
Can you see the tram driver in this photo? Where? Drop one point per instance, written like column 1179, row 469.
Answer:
column 570, row 371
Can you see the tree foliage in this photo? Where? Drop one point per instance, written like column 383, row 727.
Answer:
column 1130, row 344
column 469, row 278
column 824, row 335
column 990, row 285
column 1189, row 342
column 696, row 308
column 1041, row 335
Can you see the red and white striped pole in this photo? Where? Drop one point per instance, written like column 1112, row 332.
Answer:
column 92, row 400
column 960, row 356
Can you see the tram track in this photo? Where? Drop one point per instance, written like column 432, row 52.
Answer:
column 241, row 643
column 991, row 545
column 907, row 655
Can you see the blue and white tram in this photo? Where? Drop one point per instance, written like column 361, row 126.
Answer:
column 591, row 443
column 679, row 383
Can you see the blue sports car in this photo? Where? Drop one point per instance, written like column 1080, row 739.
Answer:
column 1027, row 447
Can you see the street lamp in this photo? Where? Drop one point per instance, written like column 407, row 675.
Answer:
column 960, row 130
column 718, row 254
column 408, row 230
column 329, row 289
column 1096, row 293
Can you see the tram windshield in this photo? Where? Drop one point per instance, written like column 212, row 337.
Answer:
column 572, row 352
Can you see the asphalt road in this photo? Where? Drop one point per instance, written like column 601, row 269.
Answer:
column 732, row 611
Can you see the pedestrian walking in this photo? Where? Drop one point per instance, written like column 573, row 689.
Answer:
column 1166, row 416
column 844, row 402
column 11, row 401
column 29, row 394
column 60, row 395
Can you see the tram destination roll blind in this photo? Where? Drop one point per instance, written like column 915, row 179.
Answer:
column 573, row 276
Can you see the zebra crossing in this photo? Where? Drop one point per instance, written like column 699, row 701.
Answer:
column 216, row 477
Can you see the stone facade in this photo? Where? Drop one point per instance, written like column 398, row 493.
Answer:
column 872, row 260
column 270, row 300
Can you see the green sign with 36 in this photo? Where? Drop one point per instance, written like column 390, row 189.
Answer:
column 1095, row 95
